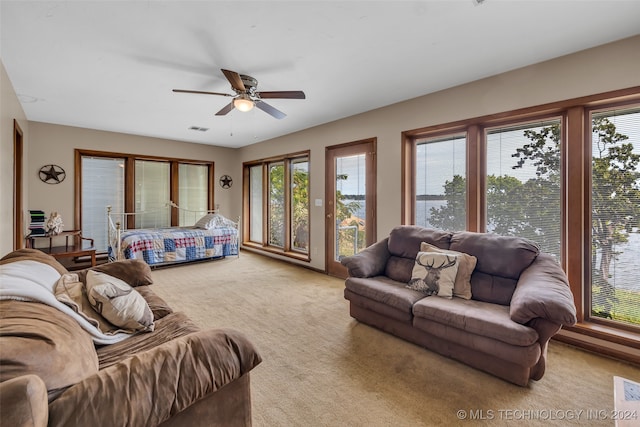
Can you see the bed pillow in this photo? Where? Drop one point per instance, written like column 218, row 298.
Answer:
column 208, row 221
column 466, row 265
column 434, row 274
column 118, row 302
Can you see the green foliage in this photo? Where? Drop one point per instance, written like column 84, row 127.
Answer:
column 351, row 240
column 276, row 204
column 299, row 206
column 452, row 215
column 300, row 209
column 615, row 209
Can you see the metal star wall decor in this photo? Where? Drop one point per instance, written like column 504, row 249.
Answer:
column 226, row 181
column 52, row 174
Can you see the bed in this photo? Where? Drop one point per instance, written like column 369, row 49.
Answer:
column 212, row 236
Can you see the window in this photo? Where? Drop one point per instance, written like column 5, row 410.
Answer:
column 566, row 175
column 152, row 194
column 351, row 204
column 276, row 204
column 284, row 197
column 255, row 201
column 102, row 186
column 523, row 183
column 193, row 191
column 615, row 215
column 130, row 183
column 300, row 205
column 441, row 189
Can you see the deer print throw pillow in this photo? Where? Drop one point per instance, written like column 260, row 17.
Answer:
column 466, row 265
column 118, row 302
column 434, row 274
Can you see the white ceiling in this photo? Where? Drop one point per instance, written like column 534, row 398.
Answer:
column 111, row 65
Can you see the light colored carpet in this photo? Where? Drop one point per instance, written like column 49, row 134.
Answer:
column 323, row 368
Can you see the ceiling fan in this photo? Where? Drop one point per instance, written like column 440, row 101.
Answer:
column 247, row 95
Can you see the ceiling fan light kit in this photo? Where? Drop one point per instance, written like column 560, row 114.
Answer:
column 243, row 103
column 247, row 95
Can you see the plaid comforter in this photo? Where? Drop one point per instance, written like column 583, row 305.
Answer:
column 168, row 245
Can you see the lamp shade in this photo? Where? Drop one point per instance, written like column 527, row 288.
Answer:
column 243, row 103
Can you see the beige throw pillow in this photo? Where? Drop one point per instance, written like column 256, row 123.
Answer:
column 434, row 274
column 467, row 263
column 118, row 302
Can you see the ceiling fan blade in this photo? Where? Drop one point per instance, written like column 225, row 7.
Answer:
column 270, row 110
column 201, row 92
column 235, row 80
column 225, row 109
column 288, row 94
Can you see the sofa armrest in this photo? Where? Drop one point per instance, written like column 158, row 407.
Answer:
column 23, row 402
column 369, row 262
column 543, row 291
column 150, row 387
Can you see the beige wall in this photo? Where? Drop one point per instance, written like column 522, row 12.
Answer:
column 10, row 109
column 55, row 144
column 605, row 68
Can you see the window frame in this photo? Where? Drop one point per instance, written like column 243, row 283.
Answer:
column 594, row 334
column 588, row 144
column 129, row 181
column 287, row 249
column 430, row 138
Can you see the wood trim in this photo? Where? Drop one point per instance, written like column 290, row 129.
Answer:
column 475, row 164
column 18, row 195
column 112, row 154
column 211, row 196
column 272, row 159
column 77, row 190
column 130, row 190
column 174, row 192
column 616, row 97
column 576, row 220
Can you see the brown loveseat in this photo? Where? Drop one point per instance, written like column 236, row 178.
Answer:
column 52, row 374
column 519, row 298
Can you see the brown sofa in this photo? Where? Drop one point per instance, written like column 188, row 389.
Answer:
column 519, row 299
column 52, row 374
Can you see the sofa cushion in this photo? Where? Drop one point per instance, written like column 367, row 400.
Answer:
column 38, row 339
column 168, row 328
column 434, row 274
column 385, row 291
column 504, row 256
column 404, row 240
column 466, row 265
column 476, row 317
column 399, row 268
column 118, row 302
column 493, row 289
column 150, row 387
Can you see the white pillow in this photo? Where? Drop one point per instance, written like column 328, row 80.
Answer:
column 118, row 302
column 208, row 221
column 434, row 274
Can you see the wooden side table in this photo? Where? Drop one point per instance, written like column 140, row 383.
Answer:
column 78, row 246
